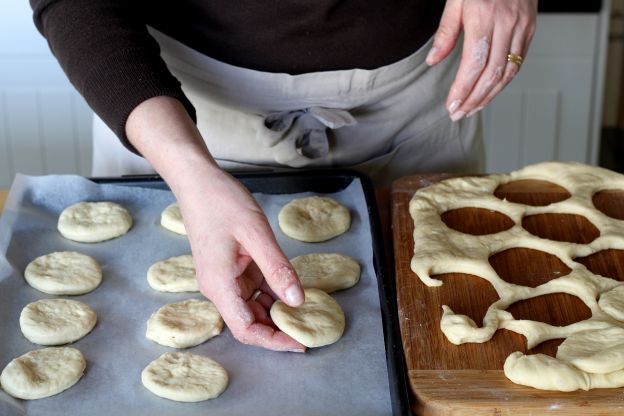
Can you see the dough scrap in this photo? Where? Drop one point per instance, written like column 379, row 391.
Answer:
column 439, row 249
column 43, row 373
column 93, row 222
column 64, row 273
column 327, row 271
column 185, row 377
column 314, row 219
column 319, row 321
column 184, row 324
column 175, row 274
column 56, row 321
column 171, row 219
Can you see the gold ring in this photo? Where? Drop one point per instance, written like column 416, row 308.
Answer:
column 516, row 59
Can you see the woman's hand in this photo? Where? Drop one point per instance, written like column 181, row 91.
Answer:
column 492, row 30
column 234, row 249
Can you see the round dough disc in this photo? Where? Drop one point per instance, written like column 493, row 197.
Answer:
column 175, row 274
column 171, row 219
column 92, row 222
column 314, row 219
column 184, row 324
column 612, row 302
column 42, row 373
column 56, row 321
column 185, row 377
column 64, row 273
column 326, row 271
column 318, row 322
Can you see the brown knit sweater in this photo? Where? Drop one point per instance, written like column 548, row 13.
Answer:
column 105, row 50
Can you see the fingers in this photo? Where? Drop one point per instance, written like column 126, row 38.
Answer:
column 475, row 53
column 279, row 274
column 448, row 32
column 484, row 70
column 250, row 324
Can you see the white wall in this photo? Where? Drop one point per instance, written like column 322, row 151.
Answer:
column 45, row 126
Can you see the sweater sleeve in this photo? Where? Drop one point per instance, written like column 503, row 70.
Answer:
column 108, row 55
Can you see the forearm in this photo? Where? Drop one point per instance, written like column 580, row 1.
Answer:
column 163, row 132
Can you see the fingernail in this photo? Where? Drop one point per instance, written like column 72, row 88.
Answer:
column 429, row 58
column 473, row 112
column 294, row 295
column 454, row 106
column 458, row 115
column 299, row 350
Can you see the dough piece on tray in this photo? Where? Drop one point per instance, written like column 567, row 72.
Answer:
column 92, row 222
column 171, row 219
column 185, row 377
column 56, row 321
column 319, row 321
column 175, row 274
column 184, row 324
column 42, row 373
column 314, row 219
column 64, row 273
column 327, row 271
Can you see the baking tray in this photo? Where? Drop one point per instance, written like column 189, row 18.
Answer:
column 33, row 205
column 322, row 181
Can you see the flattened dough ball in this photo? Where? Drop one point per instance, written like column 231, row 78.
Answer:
column 184, row 324
column 171, row 219
column 56, row 321
column 64, row 273
column 318, row 322
column 175, row 274
column 326, row 271
column 185, row 377
column 42, row 373
column 92, row 222
column 314, row 219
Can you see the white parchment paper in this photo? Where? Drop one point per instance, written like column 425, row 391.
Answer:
column 346, row 378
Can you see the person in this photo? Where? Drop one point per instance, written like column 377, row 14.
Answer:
column 199, row 88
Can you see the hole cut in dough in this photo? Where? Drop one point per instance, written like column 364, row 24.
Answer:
column 533, row 192
column 476, row 221
column 538, row 267
column 608, row 263
column 570, row 228
column 610, row 202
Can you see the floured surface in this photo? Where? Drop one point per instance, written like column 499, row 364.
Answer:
column 451, row 251
column 124, row 302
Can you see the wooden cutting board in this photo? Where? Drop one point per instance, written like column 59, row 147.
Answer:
column 446, row 379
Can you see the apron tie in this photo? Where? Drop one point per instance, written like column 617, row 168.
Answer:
column 300, row 135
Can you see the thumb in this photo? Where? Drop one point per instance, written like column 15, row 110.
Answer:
column 259, row 242
column 448, row 31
